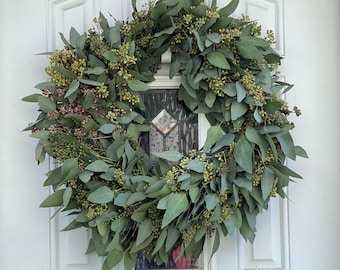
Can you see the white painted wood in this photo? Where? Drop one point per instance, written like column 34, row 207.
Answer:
column 309, row 239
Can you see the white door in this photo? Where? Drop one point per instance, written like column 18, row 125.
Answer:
column 302, row 233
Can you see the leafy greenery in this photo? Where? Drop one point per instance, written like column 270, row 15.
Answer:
column 91, row 119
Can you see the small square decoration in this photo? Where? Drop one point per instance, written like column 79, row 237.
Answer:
column 164, row 122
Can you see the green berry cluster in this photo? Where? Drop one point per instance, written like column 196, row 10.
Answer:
column 96, row 210
column 97, row 45
column 189, row 233
column 119, row 176
column 216, row 85
column 254, row 90
column 156, row 219
column 127, row 96
column 102, row 91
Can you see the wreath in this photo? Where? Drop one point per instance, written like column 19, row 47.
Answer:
column 91, row 120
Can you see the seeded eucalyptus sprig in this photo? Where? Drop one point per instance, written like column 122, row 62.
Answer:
column 91, row 119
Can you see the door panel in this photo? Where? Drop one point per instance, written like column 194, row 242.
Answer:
column 268, row 250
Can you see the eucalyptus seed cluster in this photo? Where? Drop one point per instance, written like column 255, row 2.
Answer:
column 114, row 113
column 205, row 217
column 209, row 172
column 119, row 176
column 260, row 166
column 65, row 148
column 127, row 96
column 96, row 42
column 229, row 36
column 216, row 85
column 96, row 210
column 156, row 216
column 273, row 192
column 102, row 91
column 78, row 67
column 254, row 90
column 63, row 59
column 188, row 233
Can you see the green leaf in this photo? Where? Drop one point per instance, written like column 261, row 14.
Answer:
column 111, row 56
column 74, row 35
column 253, row 136
column 136, row 197
column 69, row 169
column 46, row 105
column 210, row 99
column 214, row 37
column 129, row 260
column 176, row 205
column 230, row 89
column 45, row 85
column 218, row 59
column 115, row 34
column 65, row 72
column 91, row 82
column 237, row 110
column 97, row 166
column 243, row 154
column 114, row 257
column 101, row 195
column 85, row 176
column 67, row 196
column 31, row 98
column 41, row 134
column 144, row 231
column 121, row 199
column 256, row 41
column 301, row 152
column 287, row 145
column 241, row 92
column 267, row 182
column 211, row 200
column 172, row 155
column 167, row 31
column 229, row 9
column 247, row 50
column 74, row 86
column 55, row 199
column 137, row 85
column 216, row 243
column 160, row 241
column 214, row 134
column 95, row 70
column 107, row 128
column 244, row 183
column 173, row 235
column 196, row 165
column 128, row 117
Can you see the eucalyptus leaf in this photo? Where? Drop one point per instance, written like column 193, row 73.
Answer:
column 176, row 205
column 267, row 182
column 237, row 110
column 144, row 231
column 171, row 155
column 46, row 105
column 211, row 200
column 243, row 154
column 74, row 86
column 97, row 166
column 101, row 195
column 55, row 199
column 137, row 85
column 214, row 134
column 217, row 59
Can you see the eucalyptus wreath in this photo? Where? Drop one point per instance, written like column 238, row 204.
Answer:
column 91, row 120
